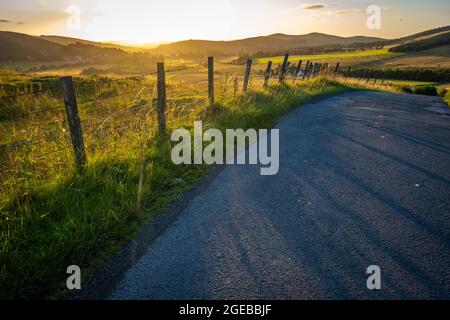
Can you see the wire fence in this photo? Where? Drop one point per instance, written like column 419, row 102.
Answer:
column 38, row 140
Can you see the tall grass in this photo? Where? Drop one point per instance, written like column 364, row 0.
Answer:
column 52, row 216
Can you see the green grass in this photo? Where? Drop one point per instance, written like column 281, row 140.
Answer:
column 409, row 82
column 344, row 57
column 447, row 98
column 52, row 216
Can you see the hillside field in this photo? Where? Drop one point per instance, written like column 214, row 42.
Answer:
column 345, row 58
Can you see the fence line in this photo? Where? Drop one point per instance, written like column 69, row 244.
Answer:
column 158, row 105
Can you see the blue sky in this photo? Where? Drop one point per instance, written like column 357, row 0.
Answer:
column 140, row 21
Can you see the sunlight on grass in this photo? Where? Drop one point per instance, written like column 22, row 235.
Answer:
column 375, row 53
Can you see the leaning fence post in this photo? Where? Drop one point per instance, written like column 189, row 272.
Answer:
column 211, row 80
column 283, row 68
column 337, row 67
column 306, row 70
column 297, row 71
column 73, row 119
column 310, row 70
column 314, row 70
column 247, row 75
column 161, row 80
column 267, row 74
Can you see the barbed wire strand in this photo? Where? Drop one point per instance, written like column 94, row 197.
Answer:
column 104, row 121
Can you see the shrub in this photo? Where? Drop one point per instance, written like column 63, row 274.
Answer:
column 407, row 89
column 427, row 90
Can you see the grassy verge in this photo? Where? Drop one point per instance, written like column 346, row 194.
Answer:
column 82, row 218
column 403, row 86
column 447, row 97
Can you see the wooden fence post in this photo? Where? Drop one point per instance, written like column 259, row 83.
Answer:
column 337, row 67
column 161, row 82
column 310, row 70
column 306, row 70
column 267, row 74
column 247, row 75
column 211, row 80
column 297, row 70
column 315, row 67
column 283, row 68
column 73, row 119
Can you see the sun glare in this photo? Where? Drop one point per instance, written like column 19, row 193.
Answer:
column 151, row 21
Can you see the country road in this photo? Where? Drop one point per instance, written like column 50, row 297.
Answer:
column 364, row 180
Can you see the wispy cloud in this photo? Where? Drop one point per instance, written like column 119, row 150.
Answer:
column 314, row 6
column 5, row 21
column 347, row 11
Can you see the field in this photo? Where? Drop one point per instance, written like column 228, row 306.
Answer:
column 408, row 82
column 53, row 215
column 433, row 58
column 345, row 58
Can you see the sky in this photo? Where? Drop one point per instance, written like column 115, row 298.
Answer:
column 153, row 21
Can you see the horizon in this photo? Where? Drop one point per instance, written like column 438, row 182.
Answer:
column 125, row 43
column 144, row 22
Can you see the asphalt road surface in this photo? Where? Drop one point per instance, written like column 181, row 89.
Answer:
column 364, row 180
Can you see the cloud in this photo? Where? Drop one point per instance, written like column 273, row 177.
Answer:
column 348, row 11
column 315, row 6
column 5, row 21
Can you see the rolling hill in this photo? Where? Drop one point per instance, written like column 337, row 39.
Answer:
column 18, row 47
column 68, row 41
column 22, row 47
column 423, row 35
column 276, row 41
column 442, row 39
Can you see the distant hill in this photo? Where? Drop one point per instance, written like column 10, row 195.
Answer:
column 65, row 40
column 271, row 42
column 22, row 47
column 68, row 41
column 442, row 39
column 18, row 47
column 423, row 34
